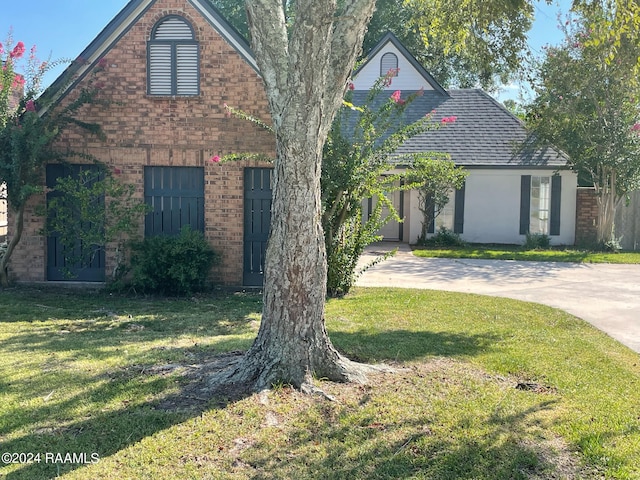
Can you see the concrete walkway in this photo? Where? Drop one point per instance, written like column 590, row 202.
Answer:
column 607, row 296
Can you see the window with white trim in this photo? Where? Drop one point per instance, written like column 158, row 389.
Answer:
column 173, row 59
column 540, row 206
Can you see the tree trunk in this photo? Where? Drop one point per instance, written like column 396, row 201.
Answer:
column 608, row 202
column 15, row 239
column 305, row 69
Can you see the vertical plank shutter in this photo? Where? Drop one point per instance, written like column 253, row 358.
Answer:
column 176, row 197
column 525, row 203
column 458, row 215
column 431, row 228
column 554, row 214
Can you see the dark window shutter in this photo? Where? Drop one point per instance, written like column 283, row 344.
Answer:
column 525, row 203
column 458, row 215
column 431, row 228
column 554, row 214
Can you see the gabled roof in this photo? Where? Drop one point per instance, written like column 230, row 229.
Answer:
column 123, row 22
column 391, row 38
column 485, row 134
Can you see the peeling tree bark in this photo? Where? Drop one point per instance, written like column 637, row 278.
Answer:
column 305, row 69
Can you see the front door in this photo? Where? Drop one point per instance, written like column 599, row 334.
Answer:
column 257, row 222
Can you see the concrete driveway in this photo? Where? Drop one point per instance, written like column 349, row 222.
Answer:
column 607, row 296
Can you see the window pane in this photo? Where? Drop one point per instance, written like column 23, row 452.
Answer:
column 539, row 206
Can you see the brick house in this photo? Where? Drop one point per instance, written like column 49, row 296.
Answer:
column 169, row 68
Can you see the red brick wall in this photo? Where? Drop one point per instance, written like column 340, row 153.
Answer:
column 586, row 216
column 143, row 130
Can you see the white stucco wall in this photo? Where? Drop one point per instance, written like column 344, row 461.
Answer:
column 492, row 207
column 408, row 78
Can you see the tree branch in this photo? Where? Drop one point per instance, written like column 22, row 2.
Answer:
column 270, row 42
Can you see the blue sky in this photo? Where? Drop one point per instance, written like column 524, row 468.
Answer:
column 63, row 28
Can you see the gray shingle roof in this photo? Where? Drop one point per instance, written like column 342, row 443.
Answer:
column 485, row 134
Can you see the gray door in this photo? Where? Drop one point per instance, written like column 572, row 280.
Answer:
column 257, row 222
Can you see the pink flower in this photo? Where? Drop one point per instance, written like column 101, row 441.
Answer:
column 30, row 106
column 351, row 86
column 1, row 49
column 393, row 72
column 215, row 159
column 18, row 81
column 17, row 51
column 395, row 96
column 636, row 128
column 451, row 119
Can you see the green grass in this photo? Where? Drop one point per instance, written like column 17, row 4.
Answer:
column 89, row 372
column 515, row 252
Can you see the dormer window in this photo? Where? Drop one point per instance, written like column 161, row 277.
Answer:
column 389, row 61
column 173, row 59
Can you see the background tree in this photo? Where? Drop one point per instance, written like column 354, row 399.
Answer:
column 462, row 43
column 587, row 105
column 28, row 135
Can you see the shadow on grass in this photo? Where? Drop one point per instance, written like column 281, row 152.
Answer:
column 121, row 404
column 127, row 405
column 406, row 345
column 411, row 449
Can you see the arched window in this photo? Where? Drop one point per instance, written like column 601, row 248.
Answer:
column 173, row 65
column 389, row 61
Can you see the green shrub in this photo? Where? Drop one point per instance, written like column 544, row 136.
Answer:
column 613, row 245
column 172, row 265
column 444, row 238
column 537, row 241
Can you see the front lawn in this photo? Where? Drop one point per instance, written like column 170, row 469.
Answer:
column 486, row 388
column 515, row 252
